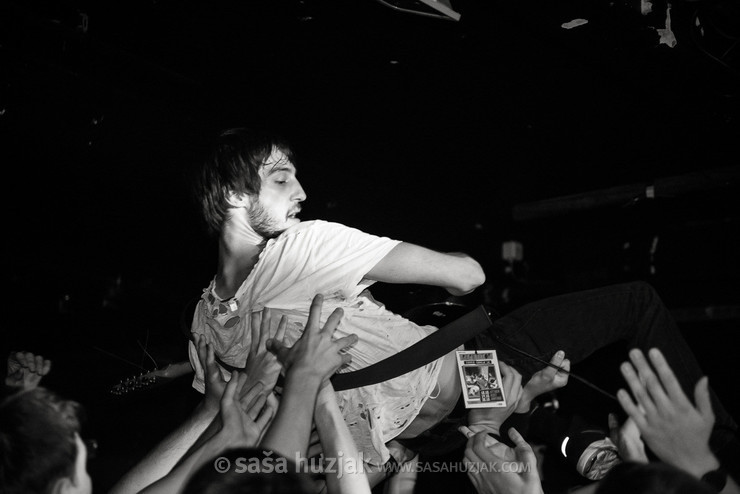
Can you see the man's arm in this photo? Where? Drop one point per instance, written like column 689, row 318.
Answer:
column 458, row 273
column 338, row 446
column 158, row 462
column 172, row 449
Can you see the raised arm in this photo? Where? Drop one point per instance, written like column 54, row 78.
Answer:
column 675, row 429
column 346, row 475
column 309, row 363
column 458, row 273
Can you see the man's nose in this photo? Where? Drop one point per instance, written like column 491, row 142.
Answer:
column 299, row 195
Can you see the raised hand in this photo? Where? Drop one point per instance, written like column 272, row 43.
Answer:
column 628, row 440
column 490, row 419
column 263, row 365
column 316, row 352
column 25, row 370
column 671, row 426
column 495, row 468
column 244, row 420
column 544, row 381
column 214, row 381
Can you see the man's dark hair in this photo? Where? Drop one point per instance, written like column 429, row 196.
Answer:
column 233, row 166
column 37, row 441
column 651, row 478
column 208, row 480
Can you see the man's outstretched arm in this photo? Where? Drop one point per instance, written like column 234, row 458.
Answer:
column 458, row 273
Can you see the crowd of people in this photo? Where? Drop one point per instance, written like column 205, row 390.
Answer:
column 289, row 308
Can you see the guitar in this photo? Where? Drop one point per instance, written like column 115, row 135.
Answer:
column 151, row 379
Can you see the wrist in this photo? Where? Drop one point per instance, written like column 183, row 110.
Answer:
column 305, row 373
column 702, row 465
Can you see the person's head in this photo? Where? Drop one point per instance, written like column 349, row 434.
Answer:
column 40, row 447
column 254, row 171
column 249, row 470
column 650, row 478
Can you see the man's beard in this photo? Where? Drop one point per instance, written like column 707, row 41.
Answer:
column 261, row 222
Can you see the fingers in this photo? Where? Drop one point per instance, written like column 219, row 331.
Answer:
column 522, row 445
column 613, row 427
column 29, row 361
column 45, row 368
column 333, row 321
column 35, row 364
column 255, row 319
column 565, row 365
column 524, row 453
column 250, row 395
column 265, row 325
column 314, row 315
column 556, row 360
column 465, row 431
column 632, row 409
column 637, row 387
column 701, row 397
column 280, row 334
column 652, row 383
column 667, row 377
column 281, row 351
column 346, row 342
column 254, row 411
column 228, row 397
column 200, row 347
column 265, row 415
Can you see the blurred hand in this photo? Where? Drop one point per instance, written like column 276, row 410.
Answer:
column 495, row 468
column 244, row 420
column 213, row 380
column 316, row 352
column 263, row 365
column 25, row 370
column 490, row 419
column 544, row 381
column 628, row 440
column 671, row 426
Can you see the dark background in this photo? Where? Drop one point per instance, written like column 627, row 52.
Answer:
column 456, row 135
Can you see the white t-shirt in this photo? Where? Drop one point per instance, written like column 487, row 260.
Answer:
column 332, row 259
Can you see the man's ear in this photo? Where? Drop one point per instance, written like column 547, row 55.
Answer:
column 237, row 200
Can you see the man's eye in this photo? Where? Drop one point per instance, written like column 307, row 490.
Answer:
column 281, row 182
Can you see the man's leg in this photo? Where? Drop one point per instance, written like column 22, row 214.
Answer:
column 582, row 322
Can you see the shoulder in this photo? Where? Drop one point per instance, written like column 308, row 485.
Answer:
column 317, row 228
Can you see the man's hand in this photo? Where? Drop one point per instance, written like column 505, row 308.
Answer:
column 628, row 440
column 214, row 381
column 495, row 468
column 263, row 365
column 490, row 419
column 25, row 370
column 316, row 352
column 244, row 420
column 544, row 381
column 672, row 427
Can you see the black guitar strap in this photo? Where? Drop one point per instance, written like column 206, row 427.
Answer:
column 434, row 346
column 428, row 349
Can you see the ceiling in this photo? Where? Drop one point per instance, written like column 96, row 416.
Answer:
column 424, row 129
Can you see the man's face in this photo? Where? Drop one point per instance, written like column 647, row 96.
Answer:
column 279, row 200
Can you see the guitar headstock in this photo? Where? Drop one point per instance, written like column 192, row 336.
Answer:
column 150, row 379
column 135, row 383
